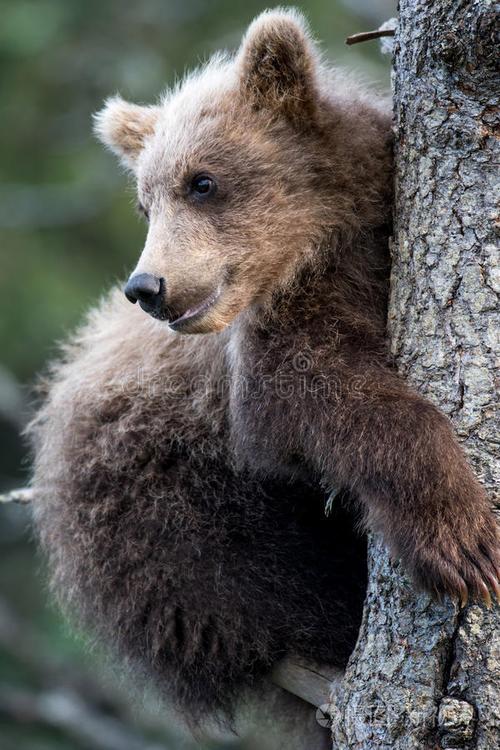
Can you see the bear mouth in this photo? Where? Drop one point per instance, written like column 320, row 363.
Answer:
column 195, row 313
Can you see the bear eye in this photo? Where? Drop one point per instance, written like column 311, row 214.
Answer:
column 202, row 186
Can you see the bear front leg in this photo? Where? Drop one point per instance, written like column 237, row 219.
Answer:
column 398, row 455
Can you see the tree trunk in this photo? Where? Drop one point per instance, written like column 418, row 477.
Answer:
column 426, row 675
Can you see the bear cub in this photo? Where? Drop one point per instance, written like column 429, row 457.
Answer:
column 188, row 441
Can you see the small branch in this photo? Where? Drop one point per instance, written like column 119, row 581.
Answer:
column 22, row 495
column 366, row 36
column 310, row 682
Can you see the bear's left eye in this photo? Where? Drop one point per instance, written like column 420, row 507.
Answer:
column 202, row 186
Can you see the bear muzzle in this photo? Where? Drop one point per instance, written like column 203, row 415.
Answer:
column 151, row 293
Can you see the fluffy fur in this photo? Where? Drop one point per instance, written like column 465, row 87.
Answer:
column 182, row 479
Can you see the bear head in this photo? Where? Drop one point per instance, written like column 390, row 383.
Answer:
column 234, row 175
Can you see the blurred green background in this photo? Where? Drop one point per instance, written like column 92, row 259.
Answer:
column 67, row 231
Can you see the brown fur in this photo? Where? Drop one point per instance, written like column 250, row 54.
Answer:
column 131, row 125
column 181, row 478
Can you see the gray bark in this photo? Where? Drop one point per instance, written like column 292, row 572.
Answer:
column 426, row 675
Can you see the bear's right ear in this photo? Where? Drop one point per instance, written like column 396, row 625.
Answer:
column 277, row 64
column 124, row 127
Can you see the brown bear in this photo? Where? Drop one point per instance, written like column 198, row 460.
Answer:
column 181, row 479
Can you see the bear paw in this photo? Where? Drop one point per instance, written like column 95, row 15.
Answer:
column 464, row 566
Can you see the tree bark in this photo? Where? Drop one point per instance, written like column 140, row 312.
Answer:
column 426, row 675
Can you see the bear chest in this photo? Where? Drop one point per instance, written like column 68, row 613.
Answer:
column 269, row 394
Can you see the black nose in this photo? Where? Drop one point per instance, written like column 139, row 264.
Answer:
column 148, row 290
column 143, row 287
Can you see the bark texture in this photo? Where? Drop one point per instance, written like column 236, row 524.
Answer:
column 427, row 675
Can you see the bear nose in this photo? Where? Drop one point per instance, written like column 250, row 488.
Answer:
column 144, row 287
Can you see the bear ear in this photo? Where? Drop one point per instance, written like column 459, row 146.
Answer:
column 278, row 62
column 124, row 127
